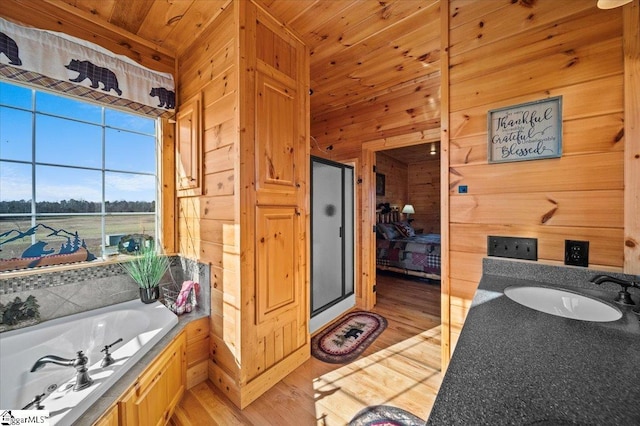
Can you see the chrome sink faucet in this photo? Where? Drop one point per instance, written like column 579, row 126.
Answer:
column 83, row 380
column 623, row 297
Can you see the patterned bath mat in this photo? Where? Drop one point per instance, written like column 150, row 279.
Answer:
column 348, row 338
column 385, row 415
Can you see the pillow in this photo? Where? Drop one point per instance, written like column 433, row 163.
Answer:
column 405, row 229
column 388, row 231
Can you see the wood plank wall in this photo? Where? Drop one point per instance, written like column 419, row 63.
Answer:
column 631, row 24
column 208, row 225
column 504, row 53
column 423, row 193
column 396, row 179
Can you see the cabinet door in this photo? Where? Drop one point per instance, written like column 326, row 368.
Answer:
column 279, row 152
column 188, row 148
column 110, row 418
column 158, row 390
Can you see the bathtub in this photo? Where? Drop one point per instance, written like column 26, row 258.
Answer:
column 139, row 325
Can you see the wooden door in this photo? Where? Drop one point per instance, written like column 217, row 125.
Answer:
column 275, row 164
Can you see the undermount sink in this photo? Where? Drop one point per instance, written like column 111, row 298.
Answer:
column 563, row 303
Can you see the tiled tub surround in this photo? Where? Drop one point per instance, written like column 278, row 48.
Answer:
column 73, row 291
column 515, row 365
column 140, row 326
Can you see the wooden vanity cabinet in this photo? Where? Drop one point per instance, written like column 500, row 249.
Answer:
column 109, row 418
column 152, row 399
column 197, row 333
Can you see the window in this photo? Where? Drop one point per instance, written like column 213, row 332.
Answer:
column 75, row 177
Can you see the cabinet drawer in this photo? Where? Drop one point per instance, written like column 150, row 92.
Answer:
column 198, row 329
column 197, row 351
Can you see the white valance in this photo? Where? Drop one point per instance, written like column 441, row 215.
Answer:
column 28, row 54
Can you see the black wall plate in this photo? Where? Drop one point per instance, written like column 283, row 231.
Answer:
column 576, row 253
column 512, row 247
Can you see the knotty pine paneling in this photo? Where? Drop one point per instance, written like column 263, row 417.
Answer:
column 220, row 159
column 631, row 48
column 556, row 38
column 194, row 24
column 208, row 57
column 585, row 63
column 396, row 180
column 424, row 194
column 587, row 99
column 413, row 106
column 333, row 60
column 601, row 171
column 208, row 227
column 505, row 53
column 521, row 34
column 563, row 208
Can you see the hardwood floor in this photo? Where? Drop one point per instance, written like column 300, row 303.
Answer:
column 401, row 368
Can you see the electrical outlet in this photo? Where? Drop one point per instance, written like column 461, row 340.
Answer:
column 513, row 247
column 576, row 253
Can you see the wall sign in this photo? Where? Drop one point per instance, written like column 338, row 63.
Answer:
column 530, row 131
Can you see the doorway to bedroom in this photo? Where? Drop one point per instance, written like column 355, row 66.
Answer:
column 407, row 220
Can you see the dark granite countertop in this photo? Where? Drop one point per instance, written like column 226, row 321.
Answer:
column 114, row 393
column 516, row 366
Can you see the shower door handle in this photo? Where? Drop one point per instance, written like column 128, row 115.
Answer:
column 340, row 232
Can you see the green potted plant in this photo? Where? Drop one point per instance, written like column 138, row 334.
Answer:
column 147, row 269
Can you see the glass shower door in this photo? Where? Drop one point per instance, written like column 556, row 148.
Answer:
column 332, row 234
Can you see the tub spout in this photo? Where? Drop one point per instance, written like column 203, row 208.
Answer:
column 83, row 380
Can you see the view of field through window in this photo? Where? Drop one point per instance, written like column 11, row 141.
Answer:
column 75, row 177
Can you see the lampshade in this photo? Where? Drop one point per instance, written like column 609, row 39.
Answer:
column 408, row 209
column 433, row 149
column 610, row 4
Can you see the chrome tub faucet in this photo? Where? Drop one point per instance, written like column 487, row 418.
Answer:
column 83, row 380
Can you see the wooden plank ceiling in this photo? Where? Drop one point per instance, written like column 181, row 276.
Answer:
column 415, row 153
column 359, row 49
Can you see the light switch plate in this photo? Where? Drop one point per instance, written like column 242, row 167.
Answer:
column 512, row 247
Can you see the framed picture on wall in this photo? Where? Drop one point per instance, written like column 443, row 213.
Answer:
column 379, row 184
column 528, row 131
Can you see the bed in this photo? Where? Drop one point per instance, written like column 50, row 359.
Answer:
column 400, row 249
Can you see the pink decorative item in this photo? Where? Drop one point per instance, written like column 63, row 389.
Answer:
column 184, row 300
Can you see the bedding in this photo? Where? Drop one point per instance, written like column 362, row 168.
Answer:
column 400, row 249
column 418, row 254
